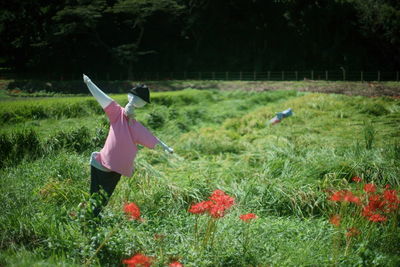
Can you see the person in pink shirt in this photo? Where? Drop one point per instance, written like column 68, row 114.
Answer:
column 117, row 156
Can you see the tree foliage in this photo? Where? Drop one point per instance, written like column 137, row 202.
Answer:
column 123, row 36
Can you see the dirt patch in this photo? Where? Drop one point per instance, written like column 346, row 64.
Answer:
column 371, row 89
column 348, row 88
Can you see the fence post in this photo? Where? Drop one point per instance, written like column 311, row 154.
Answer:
column 379, row 75
column 326, row 75
column 344, row 74
column 297, row 75
column 312, row 75
column 240, row 76
column 397, row 76
column 199, row 75
column 254, row 75
column 226, row 75
column 269, row 75
column 362, row 76
column 283, row 75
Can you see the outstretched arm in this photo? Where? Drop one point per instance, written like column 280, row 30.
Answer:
column 165, row 147
column 103, row 99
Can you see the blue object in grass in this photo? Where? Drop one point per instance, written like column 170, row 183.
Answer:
column 281, row 115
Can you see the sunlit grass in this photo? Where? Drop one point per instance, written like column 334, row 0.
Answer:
column 222, row 140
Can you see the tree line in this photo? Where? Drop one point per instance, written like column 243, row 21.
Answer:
column 115, row 36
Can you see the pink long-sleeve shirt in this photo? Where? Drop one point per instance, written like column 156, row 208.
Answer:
column 120, row 149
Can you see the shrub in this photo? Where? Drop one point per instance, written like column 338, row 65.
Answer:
column 19, row 145
column 6, row 148
column 77, row 140
column 375, row 109
column 155, row 119
column 20, row 111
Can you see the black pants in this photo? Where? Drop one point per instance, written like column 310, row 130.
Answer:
column 102, row 183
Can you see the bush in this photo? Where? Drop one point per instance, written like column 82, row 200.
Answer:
column 155, row 120
column 26, row 144
column 20, row 111
column 375, row 109
column 19, row 145
column 77, row 140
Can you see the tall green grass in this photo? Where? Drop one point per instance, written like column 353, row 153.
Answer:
column 281, row 172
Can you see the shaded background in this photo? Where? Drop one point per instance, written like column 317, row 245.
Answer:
column 110, row 37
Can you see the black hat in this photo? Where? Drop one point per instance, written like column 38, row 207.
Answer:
column 142, row 91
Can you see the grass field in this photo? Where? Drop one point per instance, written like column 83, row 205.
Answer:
column 285, row 173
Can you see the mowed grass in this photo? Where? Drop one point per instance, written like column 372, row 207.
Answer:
column 222, row 140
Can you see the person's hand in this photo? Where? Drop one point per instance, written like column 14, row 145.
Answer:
column 169, row 150
column 165, row 147
column 86, row 79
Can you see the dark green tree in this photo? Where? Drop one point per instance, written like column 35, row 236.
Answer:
column 23, row 26
column 134, row 15
column 380, row 23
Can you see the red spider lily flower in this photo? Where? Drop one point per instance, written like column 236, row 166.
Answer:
column 391, row 196
column 346, row 196
column 391, row 207
column 217, row 211
column 132, row 210
column 220, row 198
column 349, row 197
column 368, row 211
column 138, row 260
column 352, row 232
column 337, row 196
column 216, row 206
column 356, row 179
column 377, row 218
column 376, row 202
column 335, row 220
column 387, row 186
column 247, row 217
column 175, row 264
column 201, row 207
column 369, row 188
column 391, row 200
column 374, row 197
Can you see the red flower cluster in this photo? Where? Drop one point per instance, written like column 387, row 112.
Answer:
column 132, row 210
column 352, row 232
column 391, row 197
column 335, row 220
column 201, row 207
column 377, row 218
column 216, row 206
column 356, row 179
column 345, row 196
column 375, row 206
column 248, row 216
column 369, row 188
column 378, row 204
column 138, row 260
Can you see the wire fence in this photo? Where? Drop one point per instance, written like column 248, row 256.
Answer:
column 327, row 75
column 273, row 76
